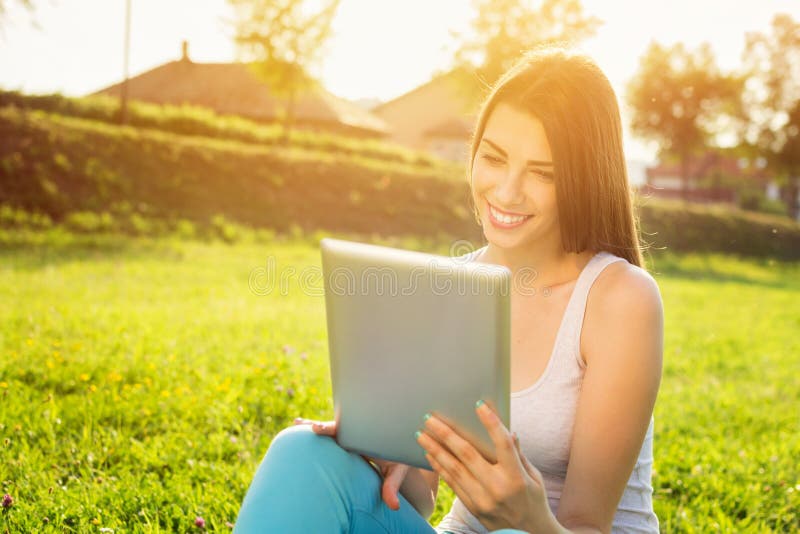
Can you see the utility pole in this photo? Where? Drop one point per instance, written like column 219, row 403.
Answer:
column 123, row 115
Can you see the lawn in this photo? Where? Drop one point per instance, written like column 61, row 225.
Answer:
column 142, row 379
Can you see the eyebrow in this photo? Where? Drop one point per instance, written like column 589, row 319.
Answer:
column 505, row 155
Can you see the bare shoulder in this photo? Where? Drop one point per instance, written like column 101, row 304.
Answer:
column 623, row 283
column 623, row 296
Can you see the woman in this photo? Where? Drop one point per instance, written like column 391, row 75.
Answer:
column 550, row 189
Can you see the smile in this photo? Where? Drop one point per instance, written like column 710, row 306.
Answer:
column 505, row 220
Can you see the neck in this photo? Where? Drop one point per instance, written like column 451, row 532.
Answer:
column 537, row 267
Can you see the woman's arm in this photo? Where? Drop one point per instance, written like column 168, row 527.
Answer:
column 622, row 345
column 420, row 487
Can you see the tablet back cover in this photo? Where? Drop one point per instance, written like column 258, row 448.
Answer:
column 410, row 333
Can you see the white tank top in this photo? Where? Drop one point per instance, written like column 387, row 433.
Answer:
column 543, row 415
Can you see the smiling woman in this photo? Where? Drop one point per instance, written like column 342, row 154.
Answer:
column 550, row 189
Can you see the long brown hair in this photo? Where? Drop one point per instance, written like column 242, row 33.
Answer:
column 577, row 106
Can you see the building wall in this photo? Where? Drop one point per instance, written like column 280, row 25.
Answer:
column 418, row 111
column 451, row 149
column 667, row 182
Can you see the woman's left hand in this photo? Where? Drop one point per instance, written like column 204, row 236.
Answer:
column 506, row 494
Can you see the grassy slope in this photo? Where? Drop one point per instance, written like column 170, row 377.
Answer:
column 61, row 165
column 142, row 380
column 58, row 164
column 204, row 122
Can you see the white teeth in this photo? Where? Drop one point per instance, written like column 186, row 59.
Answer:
column 507, row 219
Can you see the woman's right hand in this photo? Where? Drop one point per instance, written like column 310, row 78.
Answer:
column 393, row 472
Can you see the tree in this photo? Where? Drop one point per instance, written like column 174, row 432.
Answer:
column 503, row 29
column 27, row 4
column 680, row 99
column 283, row 38
column 772, row 99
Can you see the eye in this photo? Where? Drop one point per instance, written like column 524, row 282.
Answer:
column 545, row 176
column 494, row 160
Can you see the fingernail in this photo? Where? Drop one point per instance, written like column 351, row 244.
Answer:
column 417, row 434
column 479, row 403
column 426, row 417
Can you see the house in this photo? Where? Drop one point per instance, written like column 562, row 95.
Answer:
column 437, row 117
column 232, row 88
column 713, row 177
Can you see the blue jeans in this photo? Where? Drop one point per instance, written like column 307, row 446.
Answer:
column 307, row 483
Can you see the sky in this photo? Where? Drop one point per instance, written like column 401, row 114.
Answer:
column 380, row 49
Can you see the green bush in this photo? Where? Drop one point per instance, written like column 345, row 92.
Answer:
column 674, row 226
column 146, row 180
column 185, row 229
column 200, row 121
column 225, row 229
column 89, row 222
column 756, row 200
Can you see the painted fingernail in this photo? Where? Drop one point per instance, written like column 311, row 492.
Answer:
column 417, row 434
column 479, row 403
column 426, row 417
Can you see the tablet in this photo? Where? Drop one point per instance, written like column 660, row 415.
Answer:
column 409, row 333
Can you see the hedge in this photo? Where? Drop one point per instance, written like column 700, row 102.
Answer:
column 142, row 181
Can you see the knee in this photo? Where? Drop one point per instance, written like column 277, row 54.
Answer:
column 301, row 441
column 299, row 450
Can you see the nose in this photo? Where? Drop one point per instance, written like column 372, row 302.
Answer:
column 509, row 190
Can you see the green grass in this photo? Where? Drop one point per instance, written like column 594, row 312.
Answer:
column 141, row 381
column 205, row 122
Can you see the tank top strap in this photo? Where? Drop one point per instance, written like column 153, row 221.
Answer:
column 576, row 309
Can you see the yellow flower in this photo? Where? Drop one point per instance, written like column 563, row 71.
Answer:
column 92, row 388
column 114, row 376
column 3, row 385
column 84, row 377
column 29, row 342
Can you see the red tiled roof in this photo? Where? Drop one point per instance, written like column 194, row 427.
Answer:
column 232, row 88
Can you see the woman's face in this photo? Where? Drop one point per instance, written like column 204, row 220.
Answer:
column 512, row 173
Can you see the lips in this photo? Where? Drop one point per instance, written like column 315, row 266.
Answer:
column 509, row 213
column 507, row 220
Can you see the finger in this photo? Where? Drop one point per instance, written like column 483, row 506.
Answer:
column 500, row 435
column 391, row 485
column 327, row 428
column 456, row 452
column 522, row 457
column 529, row 467
column 460, row 473
column 465, row 497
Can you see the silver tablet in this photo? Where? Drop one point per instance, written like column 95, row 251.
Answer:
column 410, row 333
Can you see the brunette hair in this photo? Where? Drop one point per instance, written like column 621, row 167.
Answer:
column 577, row 106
